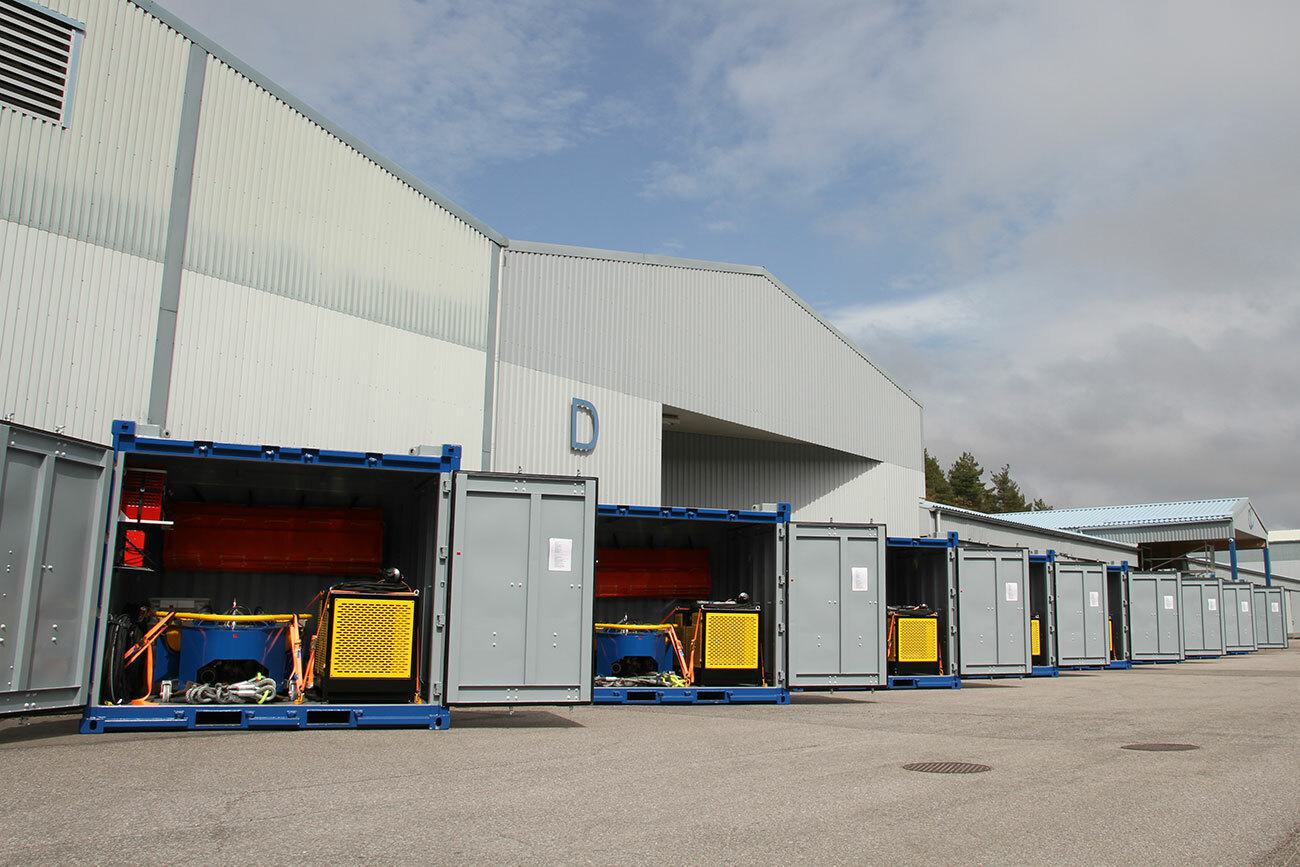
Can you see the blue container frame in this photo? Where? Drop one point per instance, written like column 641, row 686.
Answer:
column 234, row 717
column 690, row 695
column 925, row 681
column 685, row 513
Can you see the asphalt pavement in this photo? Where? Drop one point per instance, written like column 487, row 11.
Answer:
column 821, row 780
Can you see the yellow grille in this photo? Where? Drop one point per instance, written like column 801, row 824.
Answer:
column 1035, row 641
column 918, row 639
column 372, row 637
column 730, row 640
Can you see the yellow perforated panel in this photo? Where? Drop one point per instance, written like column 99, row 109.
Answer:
column 372, row 638
column 918, row 639
column 1035, row 642
column 730, row 640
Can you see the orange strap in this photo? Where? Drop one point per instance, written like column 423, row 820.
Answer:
column 295, row 648
column 150, row 637
column 681, row 656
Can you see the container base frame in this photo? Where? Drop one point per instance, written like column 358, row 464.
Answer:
column 924, row 681
column 1204, row 655
column 1156, row 661
column 227, row 717
column 1237, row 652
column 1119, row 664
column 690, row 695
column 1100, row 666
column 1045, row 671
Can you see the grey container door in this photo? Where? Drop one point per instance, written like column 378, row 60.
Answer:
column 993, row 612
column 1259, row 606
column 836, row 630
column 1269, row 611
column 1193, row 619
column 1231, row 625
column 521, row 584
column 1170, row 616
column 1081, row 618
column 53, row 513
column 1212, row 616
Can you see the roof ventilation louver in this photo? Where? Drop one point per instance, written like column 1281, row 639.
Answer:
column 38, row 52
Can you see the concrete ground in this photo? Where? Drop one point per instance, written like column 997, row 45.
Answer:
column 821, row 780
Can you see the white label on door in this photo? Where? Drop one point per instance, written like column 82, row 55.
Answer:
column 861, row 579
column 1094, row 599
column 1245, row 606
column 561, row 557
column 1013, row 591
column 1277, row 607
column 1169, row 603
column 1212, row 604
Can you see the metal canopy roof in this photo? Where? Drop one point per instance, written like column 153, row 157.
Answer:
column 1011, row 520
column 1152, row 523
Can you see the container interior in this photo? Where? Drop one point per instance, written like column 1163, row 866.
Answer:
column 1116, row 617
column 919, row 577
column 742, row 558
column 1039, row 593
column 407, row 501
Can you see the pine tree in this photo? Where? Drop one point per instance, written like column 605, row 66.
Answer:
column 1039, row 506
column 936, row 484
column 1006, row 496
column 966, row 478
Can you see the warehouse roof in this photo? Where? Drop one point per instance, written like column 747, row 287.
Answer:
column 1174, row 522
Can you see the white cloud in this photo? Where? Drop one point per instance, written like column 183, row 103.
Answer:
column 1107, row 192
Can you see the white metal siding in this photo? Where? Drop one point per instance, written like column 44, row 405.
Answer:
column 729, row 345
column 76, row 333
column 532, row 433
column 107, row 177
column 820, row 484
column 281, row 205
column 257, row 367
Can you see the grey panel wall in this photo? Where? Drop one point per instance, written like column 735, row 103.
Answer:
column 728, row 344
column 821, row 484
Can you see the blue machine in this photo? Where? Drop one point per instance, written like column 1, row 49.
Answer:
column 213, row 652
column 627, row 653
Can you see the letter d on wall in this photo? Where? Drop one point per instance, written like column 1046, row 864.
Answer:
column 583, row 406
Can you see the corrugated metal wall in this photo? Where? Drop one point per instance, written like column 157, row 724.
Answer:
column 728, row 345
column 532, row 432
column 256, row 367
column 821, row 484
column 76, row 332
column 106, row 178
column 312, row 219
column 1207, row 531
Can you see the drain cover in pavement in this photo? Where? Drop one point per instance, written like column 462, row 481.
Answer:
column 947, row 768
column 1161, row 748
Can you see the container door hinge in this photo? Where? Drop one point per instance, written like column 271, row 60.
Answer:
column 439, row 621
column 780, row 629
column 780, row 531
column 446, row 484
column 442, row 553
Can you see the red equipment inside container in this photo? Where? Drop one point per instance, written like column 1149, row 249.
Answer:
column 142, row 494
column 660, row 573
column 226, row 538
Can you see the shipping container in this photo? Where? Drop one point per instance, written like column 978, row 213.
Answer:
column 1238, row 617
column 1155, row 616
column 703, row 590
column 1042, row 616
column 260, row 586
column 972, row 599
column 1203, row 633
column 1270, row 619
column 1117, row 622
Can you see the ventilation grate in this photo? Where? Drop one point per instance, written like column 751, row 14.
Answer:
column 947, row 768
column 38, row 53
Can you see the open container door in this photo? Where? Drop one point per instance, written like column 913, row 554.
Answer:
column 521, row 580
column 993, row 614
column 836, row 634
column 1081, row 614
column 53, row 496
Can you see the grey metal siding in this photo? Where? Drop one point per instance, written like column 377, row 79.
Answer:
column 727, row 344
column 972, row 529
column 106, row 179
column 280, row 205
column 1164, row 533
column 821, row 484
column 531, row 433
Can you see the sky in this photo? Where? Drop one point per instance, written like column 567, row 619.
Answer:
column 1071, row 230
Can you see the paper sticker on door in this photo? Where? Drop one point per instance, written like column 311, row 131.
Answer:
column 1212, row 604
column 561, row 556
column 1169, row 603
column 1245, row 607
column 1013, row 591
column 1094, row 599
column 1277, row 607
column 861, row 579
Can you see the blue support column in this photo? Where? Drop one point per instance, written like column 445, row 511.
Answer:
column 1268, row 568
column 1232, row 557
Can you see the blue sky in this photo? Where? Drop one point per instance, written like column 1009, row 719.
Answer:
column 1071, row 229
